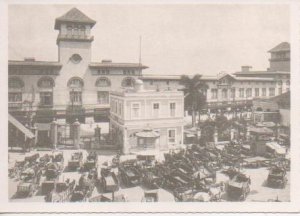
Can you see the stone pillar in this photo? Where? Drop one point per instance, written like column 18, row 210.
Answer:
column 248, row 133
column 76, row 134
column 53, row 133
column 216, row 136
column 35, row 132
column 97, row 137
column 232, row 134
column 125, row 142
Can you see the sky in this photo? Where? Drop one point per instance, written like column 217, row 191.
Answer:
column 176, row 39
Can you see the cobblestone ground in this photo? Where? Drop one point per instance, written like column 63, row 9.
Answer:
column 259, row 192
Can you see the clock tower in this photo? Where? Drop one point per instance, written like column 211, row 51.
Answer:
column 74, row 38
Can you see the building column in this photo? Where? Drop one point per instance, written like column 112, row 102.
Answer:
column 232, row 134
column 53, row 133
column 76, row 134
column 97, row 138
column 216, row 136
column 125, row 142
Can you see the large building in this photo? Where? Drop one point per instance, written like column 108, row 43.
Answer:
column 147, row 119
column 74, row 86
column 237, row 90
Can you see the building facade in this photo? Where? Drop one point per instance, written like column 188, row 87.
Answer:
column 147, row 119
column 237, row 90
column 74, row 86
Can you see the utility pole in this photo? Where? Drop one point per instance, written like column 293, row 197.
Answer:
column 140, row 56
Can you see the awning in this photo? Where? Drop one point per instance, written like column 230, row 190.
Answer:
column 20, row 126
column 147, row 133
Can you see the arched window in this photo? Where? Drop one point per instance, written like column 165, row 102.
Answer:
column 15, row 83
column 46, row 82
column 75, row 84
column 128, row 82
column 103, row 82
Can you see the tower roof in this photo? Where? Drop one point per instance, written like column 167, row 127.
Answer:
column 284, row 46
column 73, row 16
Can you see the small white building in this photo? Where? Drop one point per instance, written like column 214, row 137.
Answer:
column 146, row 119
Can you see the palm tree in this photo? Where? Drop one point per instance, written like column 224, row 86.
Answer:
column 194, row 98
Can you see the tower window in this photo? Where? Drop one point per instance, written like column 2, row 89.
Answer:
column 76, row 58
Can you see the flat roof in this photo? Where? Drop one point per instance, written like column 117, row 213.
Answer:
column 34, row 63
column 116, row 65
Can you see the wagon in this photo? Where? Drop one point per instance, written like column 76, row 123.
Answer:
column 151, row 180
column 58, row 157
column 176, row 180
column 76, row 161
column 52, row 170
column 26, row 189
column 277, row 177
column 32, row 158
column 90, row 162
column 238, row 187
column 28, row 175
column 78, row 195
column 130, row 175
column 110, row 182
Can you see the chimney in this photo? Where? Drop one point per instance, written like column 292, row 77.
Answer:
column 246, row 68
column 29, row 59
column 138, row 85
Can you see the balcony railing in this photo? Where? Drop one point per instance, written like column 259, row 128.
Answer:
column 15, row 105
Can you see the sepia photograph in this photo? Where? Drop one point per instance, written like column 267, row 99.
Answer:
column 136, row 103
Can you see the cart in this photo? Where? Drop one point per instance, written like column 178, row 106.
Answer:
column 109, row 182
column 75, row 162
column 26, row 189
column 238, row 187
column 277, row 177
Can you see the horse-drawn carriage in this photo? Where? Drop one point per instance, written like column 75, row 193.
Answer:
column 61, row 192
column 83, row 190
column 130, row 174
column 32, row 158
column 177, row 180
column 151, row 179
column 238, row 187
column 76, row 161
column 28, row 184
column 53, row 170
column 109, row 182
column 277, row 177
column 90, row 162
column 58, row 157
column 26, row 189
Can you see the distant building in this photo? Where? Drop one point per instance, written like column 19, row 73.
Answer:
column 236, row 91
column 276, row 110
column 146, row 119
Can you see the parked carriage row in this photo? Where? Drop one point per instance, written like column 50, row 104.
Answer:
column 186, row 174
